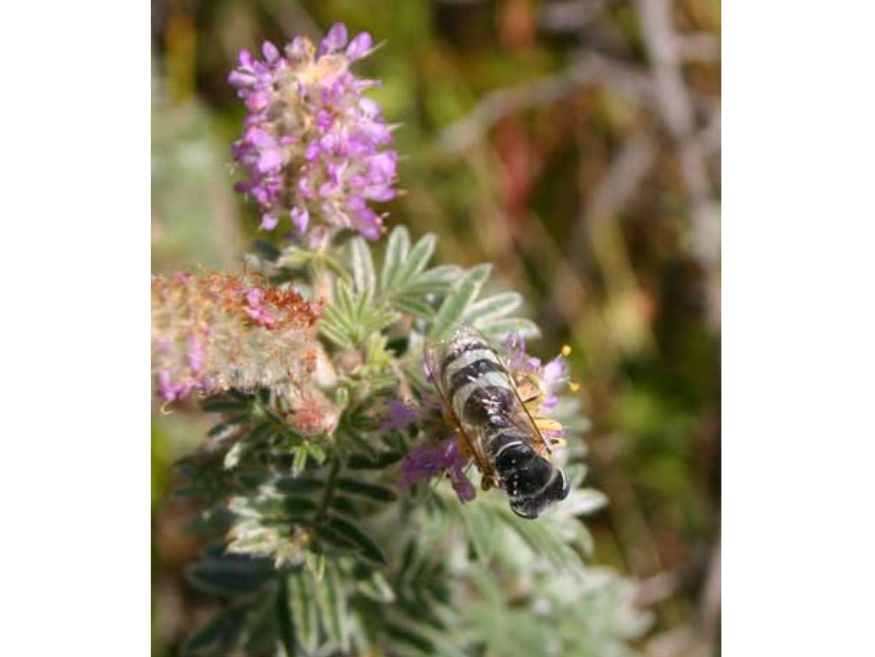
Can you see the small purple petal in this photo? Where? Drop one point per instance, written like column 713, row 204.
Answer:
column 553, row 372
column 270, row 160
column 168, row 390
column 270, row 51
column 256, row 101
column 237, row 78
column 335, row 39
column 300, row 218
column 269, row 221
column 195, row 354
column 399, row 416
column 462, row 485
column 312, row 151
column 359, row 46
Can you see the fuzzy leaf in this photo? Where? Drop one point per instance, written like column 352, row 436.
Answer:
column 418, row 257
column 362, row 265
column 301, row 602
column 363, row 489
column 458, row 299
column 396, row 253
column 216, row 638
column 229, row 575
column 355, row 535
column 499, row 305
column 331, row 600
column 497, row 329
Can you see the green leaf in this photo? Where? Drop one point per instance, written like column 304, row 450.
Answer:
column 355, row 535
column 299, row 462
column 298, row 485
column 434, row 280
column 494, row 307
column 224, row 403
column 331, row 600
column 269, row 251
column 234, row 455
column 418, row 257
column 497, row 329
column 414, row 306
column 274, row 507
column 229, row 575
column 294, row 257
column 376, row 587
column 362, row 264
column 384, row 460
column 304, row 612
column 396, row 253
column 333, row 332
column 216, row 638
column 372, row 491
column 458, row 299
column 333, row 537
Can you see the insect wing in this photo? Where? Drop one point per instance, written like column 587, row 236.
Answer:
column 432, row 354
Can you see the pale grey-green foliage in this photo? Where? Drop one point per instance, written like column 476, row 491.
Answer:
column 324, row 555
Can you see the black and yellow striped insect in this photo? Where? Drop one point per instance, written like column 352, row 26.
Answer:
column 482, row 402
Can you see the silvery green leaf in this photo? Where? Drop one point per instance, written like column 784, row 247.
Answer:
column 435, row 280
column 418, row 257
column 331, row 599
column 216, row 638
column 355, row 535
column 396, row 252
column 458, row 299
column 412, row 305
column 233, row 455
column 586, row 500
column 374, row 492
column 303, row 607
column 229, row 574
column 294, row 257
column 497, row 329
column 362, row 264
column 494, row 307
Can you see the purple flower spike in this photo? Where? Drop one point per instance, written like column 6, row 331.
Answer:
column 399, row 416
column 548, row 377
column 427, row 460
column 314, row 148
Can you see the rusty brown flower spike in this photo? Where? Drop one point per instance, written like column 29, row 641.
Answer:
column 215, row 331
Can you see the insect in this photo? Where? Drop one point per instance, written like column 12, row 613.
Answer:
column 483, row 402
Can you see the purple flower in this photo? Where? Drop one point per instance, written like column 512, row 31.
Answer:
column 335, row 39
column 427, row 460
column 548, row 378
column 399, row 415
column 314, row 148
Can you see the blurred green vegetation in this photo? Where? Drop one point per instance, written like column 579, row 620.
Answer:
column 539, row 136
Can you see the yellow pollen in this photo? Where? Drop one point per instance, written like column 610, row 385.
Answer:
column 566, row 350
column 574, row 386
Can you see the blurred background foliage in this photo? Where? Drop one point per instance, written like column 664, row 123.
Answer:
column 573, row 143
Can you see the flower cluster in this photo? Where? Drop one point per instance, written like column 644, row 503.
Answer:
column 537, row 382
column 217, row 331
column 534, row 376
column 427, row 460
column 314, row 148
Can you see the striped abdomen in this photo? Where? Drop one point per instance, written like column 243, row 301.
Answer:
column 481, row 392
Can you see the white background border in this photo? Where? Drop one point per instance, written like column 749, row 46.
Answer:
column 799, row 371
